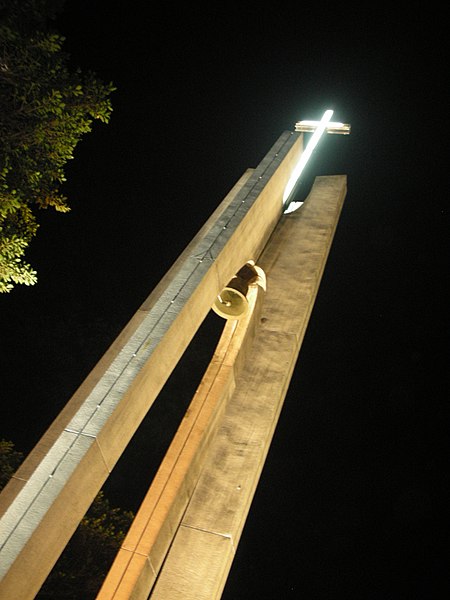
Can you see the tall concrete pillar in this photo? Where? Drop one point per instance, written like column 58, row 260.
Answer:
column 45, row 500
column 204, row 545
column 184, row 537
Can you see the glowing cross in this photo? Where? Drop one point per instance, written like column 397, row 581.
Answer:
column 318, row 128
column 331, row 127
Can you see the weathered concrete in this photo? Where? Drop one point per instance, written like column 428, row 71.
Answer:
column 145, row 547
column 44, row 502
column 199, row 559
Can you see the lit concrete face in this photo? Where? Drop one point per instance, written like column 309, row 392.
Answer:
column 185, row 534
column 145, row 547
column 204, row 546
column 44, row 502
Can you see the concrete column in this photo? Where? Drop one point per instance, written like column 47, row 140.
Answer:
column 45, row 500
column 201, row 554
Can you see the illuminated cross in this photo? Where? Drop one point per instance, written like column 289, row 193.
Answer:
column 318, row 128
column 331, row 127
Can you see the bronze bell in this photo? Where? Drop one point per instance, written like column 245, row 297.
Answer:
column 232, row 302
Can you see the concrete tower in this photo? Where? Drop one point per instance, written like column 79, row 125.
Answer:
column 257, row 262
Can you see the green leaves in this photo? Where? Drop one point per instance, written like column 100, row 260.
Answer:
column 82, row 567
column 44, row 112
column 10, row 460
column 17, row 226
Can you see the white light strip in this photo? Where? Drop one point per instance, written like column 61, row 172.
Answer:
column 332, row 127
column 306, row 154
column 333, row 124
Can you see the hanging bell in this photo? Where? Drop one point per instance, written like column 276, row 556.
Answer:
column 232, row 302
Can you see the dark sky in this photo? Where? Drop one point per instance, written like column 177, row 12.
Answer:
column 350, row 502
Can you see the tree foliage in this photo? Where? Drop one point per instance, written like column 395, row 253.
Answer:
column 10, row 460
column 82, row 567
column 45, row 109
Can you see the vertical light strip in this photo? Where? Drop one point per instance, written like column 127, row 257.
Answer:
column 306, row 154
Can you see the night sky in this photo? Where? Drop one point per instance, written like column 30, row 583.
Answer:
column 350, row 502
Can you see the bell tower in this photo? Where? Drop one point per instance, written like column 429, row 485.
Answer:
column 257, row 262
